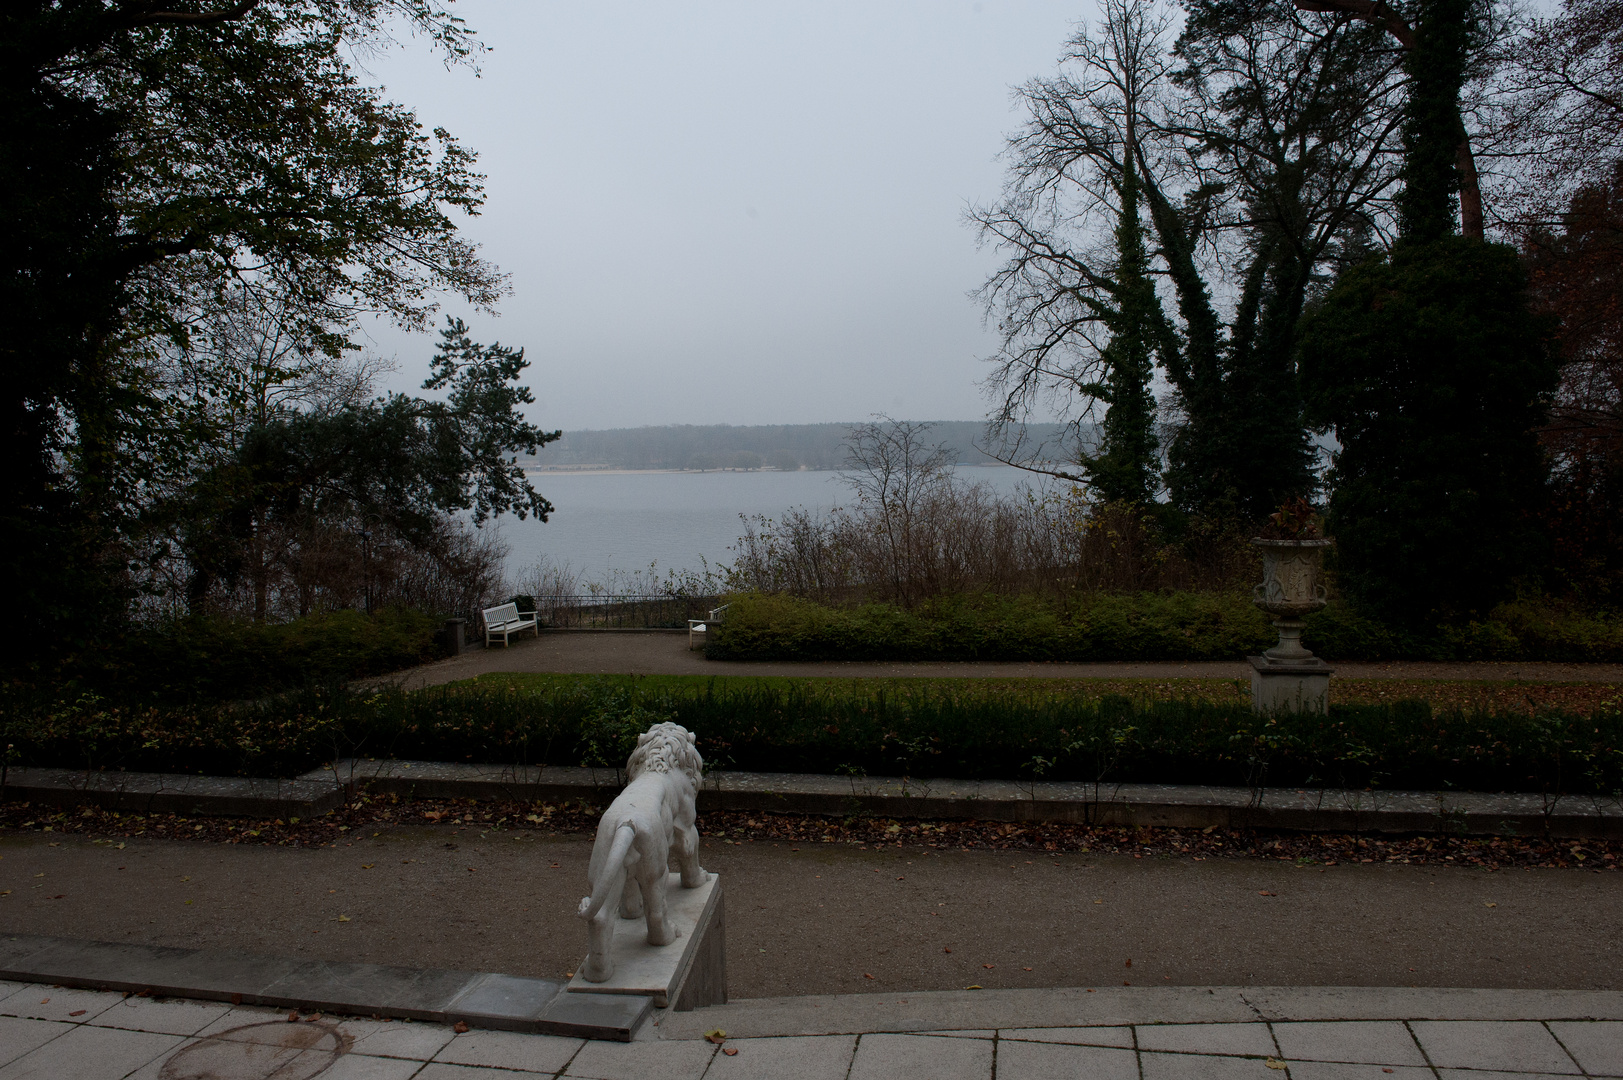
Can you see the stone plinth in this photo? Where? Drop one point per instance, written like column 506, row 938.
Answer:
column 1289, row 687
column 691, row 971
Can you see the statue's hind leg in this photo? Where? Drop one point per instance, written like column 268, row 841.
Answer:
column 660, row 929
column 631, row 904
column 599, row 965
column 687, row 857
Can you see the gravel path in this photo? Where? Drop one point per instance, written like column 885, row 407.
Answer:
column 599, row 652
column 823, row 918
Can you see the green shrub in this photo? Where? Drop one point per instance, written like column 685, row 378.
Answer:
column 964, row 729
column 1148, row 626
column 224, row 659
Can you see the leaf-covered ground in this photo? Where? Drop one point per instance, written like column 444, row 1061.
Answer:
column 371, row 814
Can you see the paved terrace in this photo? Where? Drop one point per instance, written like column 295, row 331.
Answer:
column 1105, row 1034
column 656, row 652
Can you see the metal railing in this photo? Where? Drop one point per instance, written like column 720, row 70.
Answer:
column 621, row 612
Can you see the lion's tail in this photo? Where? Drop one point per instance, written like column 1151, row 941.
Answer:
column 623, row 837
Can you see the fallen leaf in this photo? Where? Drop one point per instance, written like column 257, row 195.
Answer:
column 77, row 1012
column 946, row 950
column 900, row 877
column 1489, row 903
column 1129, row 963
column 1274, row 1063
column 1098, row 901
column 1265, row 892
column 312, row 1018
column 292, row 1017
column 1025, row 969
column 44, row 1001
column 865, row 975
column 461, row 1027
column 341, row 918
column 716, row 1035
column 730, row 1051
column 973, row 986
column 988, row 967
column 367, row 865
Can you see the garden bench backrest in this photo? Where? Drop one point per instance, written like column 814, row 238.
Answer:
column 501, row 615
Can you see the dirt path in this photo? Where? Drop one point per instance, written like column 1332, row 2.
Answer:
column 598, row 652
column 823, row 918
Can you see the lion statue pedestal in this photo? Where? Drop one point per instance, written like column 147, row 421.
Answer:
column 645, row 834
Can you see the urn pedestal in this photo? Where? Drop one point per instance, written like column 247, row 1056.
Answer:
column 1289, row 678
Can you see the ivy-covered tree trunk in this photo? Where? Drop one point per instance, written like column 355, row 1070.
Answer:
column 1125, row 465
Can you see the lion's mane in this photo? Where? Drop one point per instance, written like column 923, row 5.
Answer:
column 664, row 748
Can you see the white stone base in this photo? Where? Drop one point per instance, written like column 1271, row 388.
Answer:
column 660, row 971
column 1289, row 688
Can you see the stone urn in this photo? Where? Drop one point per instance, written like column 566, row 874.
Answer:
column 1290, row 589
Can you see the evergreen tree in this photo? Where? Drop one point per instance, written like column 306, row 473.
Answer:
column 1433, row 371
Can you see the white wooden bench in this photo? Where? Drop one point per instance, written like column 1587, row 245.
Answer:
column 698, row 627
column 504, row 620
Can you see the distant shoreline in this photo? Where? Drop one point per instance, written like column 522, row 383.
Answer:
column 592, row 470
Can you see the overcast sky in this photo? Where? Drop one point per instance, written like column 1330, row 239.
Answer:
column 741, row 213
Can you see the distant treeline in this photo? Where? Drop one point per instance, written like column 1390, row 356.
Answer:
column 766, row 446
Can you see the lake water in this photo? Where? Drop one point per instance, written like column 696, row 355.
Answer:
column 607, row 522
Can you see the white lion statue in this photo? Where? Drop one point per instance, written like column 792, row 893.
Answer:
column 647, row 828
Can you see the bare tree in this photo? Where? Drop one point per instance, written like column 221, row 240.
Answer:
column 1262, row 145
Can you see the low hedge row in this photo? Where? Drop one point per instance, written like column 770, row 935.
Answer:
column 966, row 729
column 205, row 659
column 1147, row 626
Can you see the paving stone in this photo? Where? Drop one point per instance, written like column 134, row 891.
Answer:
column 120, row 966
column 366, row 1067
column 397, row 1039
column 1484, row 1074
column 439, row 1070
column 58, row 1003
column 807, row 1057
column 18, row 1036
column 244, row 1018
column 165, row 1017
column 509, row 1050
column 889, row 1057
column 503, row 1002
column 653, row 1060
column 1597, row 1044
column 968, row 1033
column 1205, row 1067
column 1207, row 1038
column 367, row 989
column 1080, row 1036
column 1060, row 1061
column 89, row 1053
column 1325, row 1070
column 596, row 1016
column 1480, row 1044
column 1378, row 1042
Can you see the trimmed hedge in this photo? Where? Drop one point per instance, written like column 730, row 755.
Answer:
column 1147, row 626
column 1177, row 626
column 225, row 659
column 922, row 728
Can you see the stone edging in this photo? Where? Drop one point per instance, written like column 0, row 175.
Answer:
column 478, row 999
column 1180, row 806
column 1172, row 805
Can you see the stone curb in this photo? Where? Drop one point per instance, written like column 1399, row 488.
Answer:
column 1129, row 805
column 478, row 999
column 983, row 1010
column 175, row 793
column 1126, row 805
